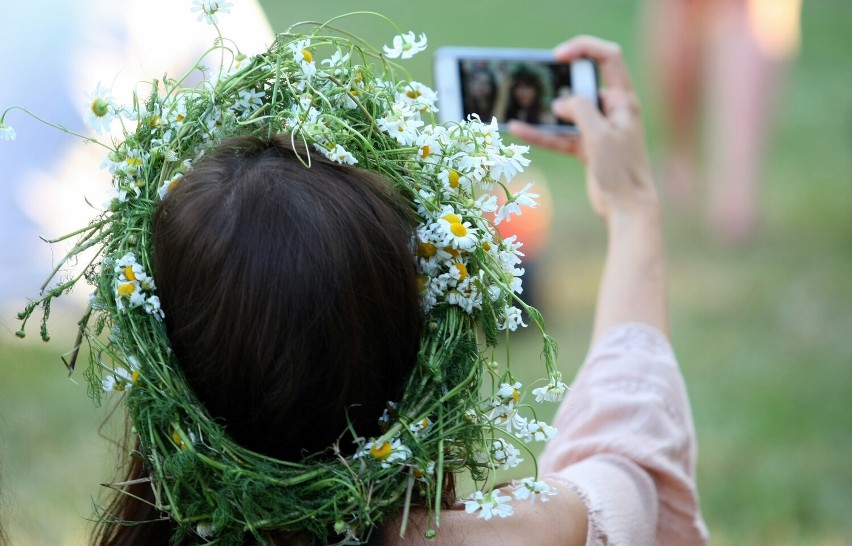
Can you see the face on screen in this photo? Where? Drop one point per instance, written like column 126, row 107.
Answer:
column 513, row 89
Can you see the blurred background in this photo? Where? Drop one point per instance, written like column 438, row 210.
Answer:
column 760, row 270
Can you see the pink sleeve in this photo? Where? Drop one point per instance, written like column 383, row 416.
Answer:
column 626, row 443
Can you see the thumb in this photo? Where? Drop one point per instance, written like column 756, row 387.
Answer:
column 580, row 111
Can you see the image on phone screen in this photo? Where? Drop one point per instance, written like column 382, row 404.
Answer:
column 509, row 84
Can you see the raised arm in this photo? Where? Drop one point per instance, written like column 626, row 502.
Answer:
column 611, row 145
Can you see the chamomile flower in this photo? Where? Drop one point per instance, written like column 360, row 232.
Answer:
column 119, row 380
column 338, row 153
column 205, row 529
column 457, row 233
column 420, row 97
column 528, row 488
column 208, row 9
column 552, row 392
column 6, row 132
column 405, row 46
column 248, row 100
column 509, row 392
column 504, row 454
column 489, row 505
column 100, row 109
column 401, row 123
column 515, row 202
column 512, row 318
column 384, row 452
column 152, row 307
column 304, row 57
column 536, row 431
column 168, row 185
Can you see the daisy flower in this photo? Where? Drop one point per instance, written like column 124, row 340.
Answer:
column 531, row 489
column 552, row 392
column 457, row 233
column 515, row 202
column 405, row 46
column 489, row 505
column 401, row 123
column 505, row 454
column 6, row 132
column 512, row 319
column 248, row 100
column 420, row 97
column 100, row 109
column 304, row 57
column 207, row 9
column 385, row 453
column 508, row 392
column 536, row 431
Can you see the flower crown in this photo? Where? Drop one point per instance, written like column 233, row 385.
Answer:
column 352, row 107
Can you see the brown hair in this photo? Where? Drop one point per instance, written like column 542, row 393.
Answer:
column 290, row 299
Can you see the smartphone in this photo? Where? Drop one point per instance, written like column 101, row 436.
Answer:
column 509, row 84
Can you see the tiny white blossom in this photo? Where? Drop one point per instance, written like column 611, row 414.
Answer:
column 552, row 392
column 406, row 46
column 531, row 489
column 249, row 100
column 508, row 392
column 385, row 453
column 505, row 454
column 489, row 505
column 100, row 109
column 512, row 319
column 304, row 57
column 205, row 529
column 536, row 431
column 207, row 9
column 6, row 132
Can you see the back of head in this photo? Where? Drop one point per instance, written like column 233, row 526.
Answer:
column 289, row 292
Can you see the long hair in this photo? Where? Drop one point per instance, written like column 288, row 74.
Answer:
column 291, row 305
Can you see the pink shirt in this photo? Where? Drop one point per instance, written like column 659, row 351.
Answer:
column 626, row 443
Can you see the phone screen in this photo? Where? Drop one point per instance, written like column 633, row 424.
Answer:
column 513, row 89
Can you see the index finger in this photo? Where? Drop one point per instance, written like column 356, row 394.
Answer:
column 606, row 53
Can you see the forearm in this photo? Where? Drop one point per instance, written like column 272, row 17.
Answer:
column 634, row 281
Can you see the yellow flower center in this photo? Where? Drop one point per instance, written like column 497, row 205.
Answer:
column 126, row 289
column 154, row 121
column 462, row 274
column 99, row 107
column 485, row 246
column 452, row 252
column 426, row 250
column 176, row 438
column 412, row 93
column 133, row 161
column 454, row 179
column 421, row 283
column 307, row 55
column 516, row 395
column 458, row 229
column 424, row 151
column 180, row 117
column 134, row 376
column 382, row 452
column 452, row 218
column 129, row 274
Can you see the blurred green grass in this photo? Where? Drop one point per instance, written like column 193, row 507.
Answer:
column 763, row 332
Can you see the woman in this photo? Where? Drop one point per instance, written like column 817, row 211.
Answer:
column 238, row 268
column 623, row 460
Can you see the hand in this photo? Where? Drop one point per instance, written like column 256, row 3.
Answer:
column 611, row 144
